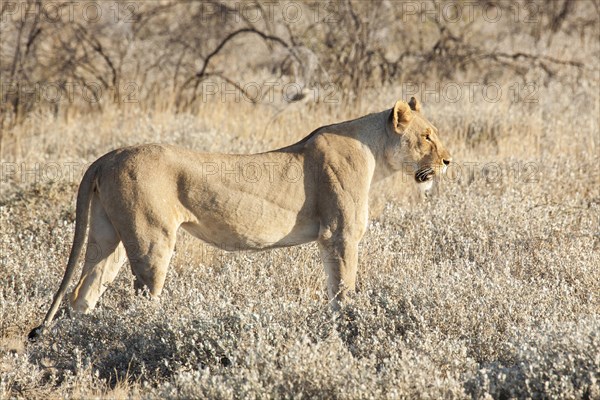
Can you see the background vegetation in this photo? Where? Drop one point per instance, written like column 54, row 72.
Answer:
column 488, row 288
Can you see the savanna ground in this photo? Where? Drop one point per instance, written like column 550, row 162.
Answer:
column 487, row 288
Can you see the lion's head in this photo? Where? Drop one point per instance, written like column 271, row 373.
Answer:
column 414, row 144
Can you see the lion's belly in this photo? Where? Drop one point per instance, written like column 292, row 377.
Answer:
column 252, row 222
column 269, row 230
column 249, row 202
column 230, row 238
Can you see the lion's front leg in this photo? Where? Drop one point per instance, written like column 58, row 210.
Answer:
column 340, row 258
column 343, row 211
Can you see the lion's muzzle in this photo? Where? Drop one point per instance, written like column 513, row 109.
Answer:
column 424, row 174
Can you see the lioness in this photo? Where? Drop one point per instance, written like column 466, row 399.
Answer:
column 136, row 198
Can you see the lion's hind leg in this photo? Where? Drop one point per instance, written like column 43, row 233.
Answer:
column 149, row 256
column 105, row 255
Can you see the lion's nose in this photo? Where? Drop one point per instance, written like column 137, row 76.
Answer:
column 447, row 161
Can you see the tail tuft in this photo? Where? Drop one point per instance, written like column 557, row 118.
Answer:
column 35, row 334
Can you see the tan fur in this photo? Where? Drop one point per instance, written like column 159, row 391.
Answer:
column 136, row 198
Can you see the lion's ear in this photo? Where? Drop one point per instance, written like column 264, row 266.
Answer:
column 414, row 104
column 402, row 115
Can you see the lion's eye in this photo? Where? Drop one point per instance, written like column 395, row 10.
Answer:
column 427, row 138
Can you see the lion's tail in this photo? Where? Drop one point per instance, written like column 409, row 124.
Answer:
column 84, row 196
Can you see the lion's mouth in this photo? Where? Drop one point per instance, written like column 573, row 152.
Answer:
column 424, row 174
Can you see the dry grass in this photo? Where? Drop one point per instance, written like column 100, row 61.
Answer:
column 490, row 288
